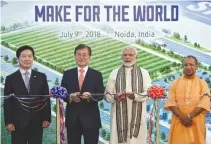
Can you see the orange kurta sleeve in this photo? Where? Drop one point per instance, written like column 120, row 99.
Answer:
column 205, row 100
column 170, row 101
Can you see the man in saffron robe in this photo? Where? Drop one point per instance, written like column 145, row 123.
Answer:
column 128, row 112
column 189, row 101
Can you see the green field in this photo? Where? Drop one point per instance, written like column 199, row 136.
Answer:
column 106, row 51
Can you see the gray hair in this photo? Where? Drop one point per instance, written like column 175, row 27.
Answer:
column 130, row 47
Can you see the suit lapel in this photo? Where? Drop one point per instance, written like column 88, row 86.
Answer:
column 32, row 80
column 21, row 81
column 75, row 78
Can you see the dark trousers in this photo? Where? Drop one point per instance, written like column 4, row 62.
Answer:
column 32, row 134
column 91, row 135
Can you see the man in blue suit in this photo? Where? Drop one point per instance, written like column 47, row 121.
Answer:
column 82, row 113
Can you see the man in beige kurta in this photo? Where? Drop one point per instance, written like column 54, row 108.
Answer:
column 128, row 116
column 189, row 101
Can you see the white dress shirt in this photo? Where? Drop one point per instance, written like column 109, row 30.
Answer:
column 23, row 73
column 85, row 71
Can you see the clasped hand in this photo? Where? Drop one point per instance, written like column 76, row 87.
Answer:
column 122, row 96
column 185, row 120
column 76, row 97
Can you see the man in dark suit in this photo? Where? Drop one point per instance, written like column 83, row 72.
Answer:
column 26, row 119
column 82, row 113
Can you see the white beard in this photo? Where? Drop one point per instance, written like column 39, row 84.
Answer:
column 129, row 64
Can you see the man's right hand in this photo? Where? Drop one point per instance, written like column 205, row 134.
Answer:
column 120, row 96
column 10, row 127
column 185, row 120
column 74, row 97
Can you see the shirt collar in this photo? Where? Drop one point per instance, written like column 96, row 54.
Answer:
column 191, row 77
column 128, row 68
column 23, row 71
column 85, row 69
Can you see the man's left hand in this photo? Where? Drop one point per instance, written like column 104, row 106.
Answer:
column 130, row 95
column 185, row 120
column 188, row 124
column 45, row 124
column 85, row 96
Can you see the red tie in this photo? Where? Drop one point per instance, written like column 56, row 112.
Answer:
column 81, row 78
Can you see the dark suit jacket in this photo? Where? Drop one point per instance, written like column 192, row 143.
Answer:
column 87, row 112
column 13, row 112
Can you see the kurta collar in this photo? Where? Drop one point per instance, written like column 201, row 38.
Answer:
column 191, row 77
